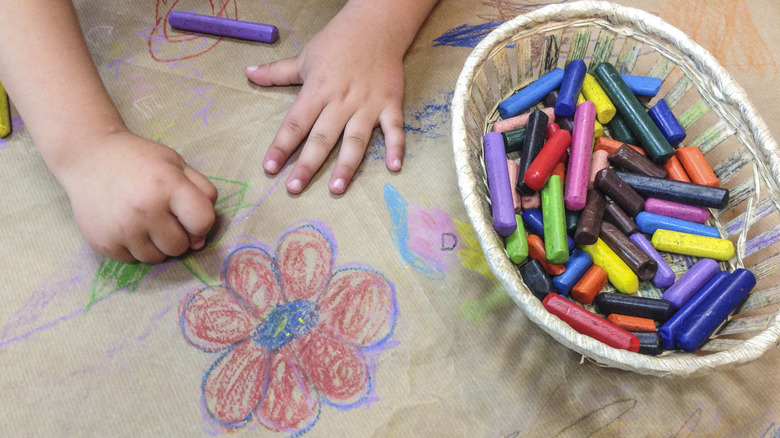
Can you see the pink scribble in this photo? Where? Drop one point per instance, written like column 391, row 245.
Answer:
column 432, row 236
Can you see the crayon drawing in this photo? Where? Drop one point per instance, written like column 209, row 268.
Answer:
column 293, row 332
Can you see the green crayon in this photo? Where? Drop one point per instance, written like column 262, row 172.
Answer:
column 517, row 243
column 556, row 246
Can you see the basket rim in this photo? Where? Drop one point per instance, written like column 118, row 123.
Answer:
column 730, row 92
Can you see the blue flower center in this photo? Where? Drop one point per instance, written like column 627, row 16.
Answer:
column 286, row 322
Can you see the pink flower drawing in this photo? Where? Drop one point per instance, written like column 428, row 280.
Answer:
column 293, row 331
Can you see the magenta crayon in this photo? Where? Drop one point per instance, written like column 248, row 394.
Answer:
column 498, row 183
column 677, row 210
column 571, row 86
column 544, row 162
column 578, row 172
column 708, row 316
column 690, row 282
column 264, row 33
column 531, row 94
column 664, row 276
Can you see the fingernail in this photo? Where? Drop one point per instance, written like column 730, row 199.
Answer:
column 271, row 166
column 294, row 185
column 397, row 164
column 251, row 68
column 198, row 243
column 338, row 185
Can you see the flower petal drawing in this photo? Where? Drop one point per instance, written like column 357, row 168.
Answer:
column 251, row 274
column 305, row 261
column 290, row 403
column 214, row 319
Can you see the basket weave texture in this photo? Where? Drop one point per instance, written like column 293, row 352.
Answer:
column 718, row 118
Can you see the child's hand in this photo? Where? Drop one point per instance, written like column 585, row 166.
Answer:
column 135, row 199
column 352, row 76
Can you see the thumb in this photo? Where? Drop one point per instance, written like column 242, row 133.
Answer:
column 281, row 72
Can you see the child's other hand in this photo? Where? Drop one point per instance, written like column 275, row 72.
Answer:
column 352, row 76
column 135, row 199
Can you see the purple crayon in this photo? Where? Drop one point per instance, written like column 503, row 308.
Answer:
column 578, row 173
column 664, row 276
column 245, row 30
column 503, row 208
column 690, row 282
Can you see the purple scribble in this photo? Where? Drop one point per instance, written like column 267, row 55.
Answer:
column 284, row 24
column 432, row 236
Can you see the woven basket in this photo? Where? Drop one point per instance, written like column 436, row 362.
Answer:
column 717, row 117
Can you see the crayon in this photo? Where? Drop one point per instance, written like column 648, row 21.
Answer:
column 521, row 121
column 576, row 187
column 550, row 99
column 264, row 33
column 531, row 201
column 639, row 261
column 498, row 184
column 676, row 191
column 591, row 217
column 676, row 170
column 536, row 279
column 670, row 327
column 544, row 162
column 628, row 159
column 610, row 184
column 531, row 94
column 696, row 166
column 632, row 305
column 632, row 323
column 664, row 276
column 677, row 210
column 514, row 169
column 554, row 219
column 605, row 110
column 5, row 113
column 536, row 252
column 618, row 272
column 617, row 217
column 692, row 245
column 516, row 243
column 649, row 342
column 650, row 137
column 620, row 131
column 570, row 88
column 532, row 144
column 534, row 218
column 513, row 140
column 649, row 222
column 708, row 316
column 590, row 284
column 598, row 161
column 572, row 218
column 667, row 123
column 578, row 263
column 610, row 145
column 642, row 85
column 690, row 282
column 590, row 324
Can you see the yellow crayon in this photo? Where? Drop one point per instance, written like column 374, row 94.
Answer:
column 592, row 91
column 692, row 245
column 5, row 113
column 618, row 272
column 598, row 128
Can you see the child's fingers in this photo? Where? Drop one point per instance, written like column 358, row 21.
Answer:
column 323, row 137
column 357, row 133
column 192, row 208
column 145, row 251
column 169, row 236
column 282, row 72
column 202, row 183
column 295, row 126
column 392, row 122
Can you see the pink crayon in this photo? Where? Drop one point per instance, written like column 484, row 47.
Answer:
column 598, row 161
column 521, row 121
column 577, row 175
column 532, row 201
column 514, row 173
column 677, row 210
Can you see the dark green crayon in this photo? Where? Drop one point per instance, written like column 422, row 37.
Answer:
column 633, row 113
column 513, row 139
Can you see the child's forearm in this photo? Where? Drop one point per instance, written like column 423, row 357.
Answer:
column 51, row 79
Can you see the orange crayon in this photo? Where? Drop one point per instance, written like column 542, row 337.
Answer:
column 590, row 284
column 697, row 167
column 610, row 145
column 632, row 323
column 676, row 170
column 536, row 251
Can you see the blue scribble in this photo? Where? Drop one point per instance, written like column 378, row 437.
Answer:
column 466, row 35
column 399, row 233
column 430, row 118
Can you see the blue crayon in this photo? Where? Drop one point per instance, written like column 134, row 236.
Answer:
column 503, row 209
column 690, row 282
column 706, row 317
column 571, row 86
column 670, row 327
column 531, row 94
column 533, row 218
column 579, row 262
column 664, row 276
column 649, row 222
column 642, row 85
column 668, row 124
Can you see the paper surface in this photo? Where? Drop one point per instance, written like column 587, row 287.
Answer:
column 89, row 347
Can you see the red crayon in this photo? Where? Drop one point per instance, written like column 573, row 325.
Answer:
column 545, row 161
column 590, row 324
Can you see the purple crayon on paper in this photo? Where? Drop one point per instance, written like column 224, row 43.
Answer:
column 677, row 210
column 264, row 33
column 503, row 208
column 664, row 276
column 577, row 175
column 690, row 282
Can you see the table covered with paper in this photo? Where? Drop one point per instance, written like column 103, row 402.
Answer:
column 406, row 331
